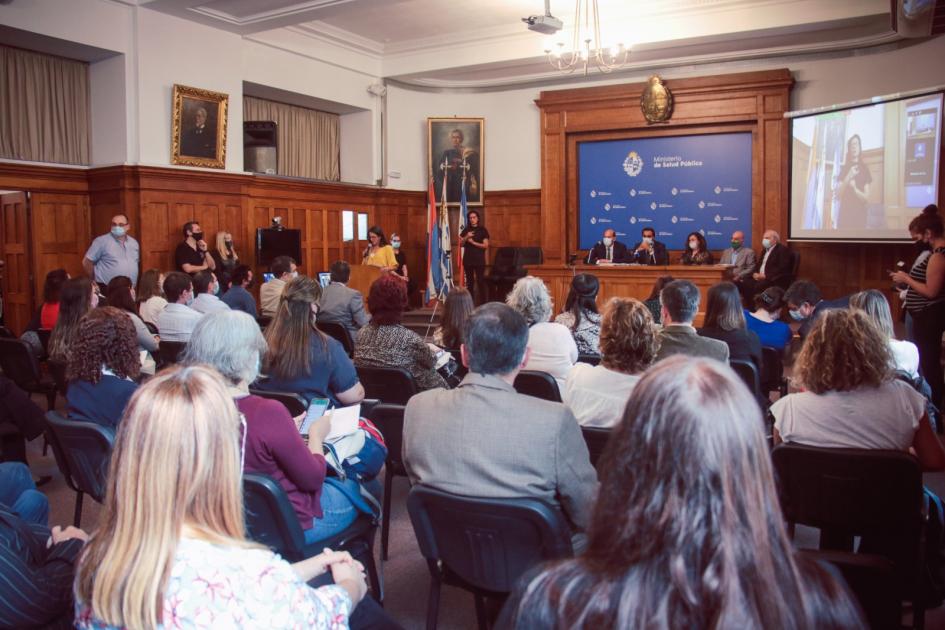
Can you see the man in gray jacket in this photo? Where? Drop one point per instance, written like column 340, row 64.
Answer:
column 340, row 304
column 679, row 303
column 740, row 257
column 483, row 439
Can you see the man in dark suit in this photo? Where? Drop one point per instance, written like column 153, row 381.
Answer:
column 806, row 304
column 649, row 251
column 774, row 269
column 201, row 139
column 607, row 250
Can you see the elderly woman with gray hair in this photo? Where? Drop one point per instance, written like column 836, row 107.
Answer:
column 551, row 347
column 230, row 342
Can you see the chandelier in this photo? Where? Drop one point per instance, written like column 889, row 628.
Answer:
column 587, row 48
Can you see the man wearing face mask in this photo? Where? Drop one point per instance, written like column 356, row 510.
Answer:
column 774, row 268
column 238, row 296
column 649, row 251
column 740, row 257
column 205, row 288
column 177, row 321
column 806, row 304
column 113, row 254
column 607, row 250
column 192, row 255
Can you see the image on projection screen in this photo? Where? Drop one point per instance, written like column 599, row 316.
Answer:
column 861, row 174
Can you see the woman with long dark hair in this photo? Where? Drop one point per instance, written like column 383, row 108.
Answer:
column 475, row 241
column 765, row 320
column 653, row 301
column 580, row 313
column 456, row 310
column 725, row 321
column 121, row 295
column 48, row 312
column 854, row 181
column 150, row 296
column 687, row 531
column 77, row 298
column 379, row 253
column 697, row 251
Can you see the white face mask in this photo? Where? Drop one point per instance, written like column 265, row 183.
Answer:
column 648, row 240
column 693, row 245
column 766, row 243
column 608, row 241
column 295, row 274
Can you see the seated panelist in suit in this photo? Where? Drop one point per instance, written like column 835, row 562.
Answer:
column 774, row 268
column 740, row 257
column 608, row 249
column 649, row 251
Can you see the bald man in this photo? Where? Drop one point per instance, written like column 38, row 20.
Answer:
column 113, row 254
column 607, row 250
column 774, row 269
column 740, row 257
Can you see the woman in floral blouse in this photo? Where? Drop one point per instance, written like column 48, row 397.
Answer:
column 171, row 551
column 580, row 313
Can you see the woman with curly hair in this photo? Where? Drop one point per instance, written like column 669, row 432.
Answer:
column 851, row 398
column 629, row 342
column 76, row 298
column 103, row 363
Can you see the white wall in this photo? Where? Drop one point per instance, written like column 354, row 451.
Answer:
column 110, row 113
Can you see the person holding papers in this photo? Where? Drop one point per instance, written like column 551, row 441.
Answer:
column 230, row 342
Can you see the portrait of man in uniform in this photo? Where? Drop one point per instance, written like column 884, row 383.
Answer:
column 455, row 153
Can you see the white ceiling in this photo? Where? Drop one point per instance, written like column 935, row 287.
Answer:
column 483, row 43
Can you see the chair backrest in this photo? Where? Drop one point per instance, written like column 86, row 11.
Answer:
column 596, row 439
column 6, row 333
column 537, row 384
column 772, row 368
column 747, row 371
column 339, row 332
column 390, row 385
column 530, row 256
column 58, row 371
column 169, row 351
column 389, row 419
column 44, row 335
column 294, row 403
column 18, row 362
column 505, row 259
column 263, row 321
column 86, row 447
column 270, row 519
column 795, row 263
column 488, row 543
column 854, row 492
column 590, row 359
column 151, row 328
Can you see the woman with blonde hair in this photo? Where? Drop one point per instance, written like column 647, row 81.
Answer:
column 224, row 254
column 905, row 353
column 171, row 549
column 629, row 341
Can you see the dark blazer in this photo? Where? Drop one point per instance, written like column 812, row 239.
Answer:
column 743, row 344
column 819, row 309
column 779, row 267
column 599, row 252
column 659, row 255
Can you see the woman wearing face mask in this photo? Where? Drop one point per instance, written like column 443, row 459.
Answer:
column 379, row 253
column 303, row 360
column 697, row 251
column 925, row 297
column 224, row 255
column 475, row 241
column 402, row 271
column 853, row 187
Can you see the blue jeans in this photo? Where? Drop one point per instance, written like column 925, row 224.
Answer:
column 337, row 515
column 18, row 493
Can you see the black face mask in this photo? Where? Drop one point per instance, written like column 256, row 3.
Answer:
column 921, row 246
column 197, row 236
column 229, row 244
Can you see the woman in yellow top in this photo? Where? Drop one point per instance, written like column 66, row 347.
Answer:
column 379, row 253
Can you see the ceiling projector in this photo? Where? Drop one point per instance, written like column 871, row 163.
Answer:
column 547, row 24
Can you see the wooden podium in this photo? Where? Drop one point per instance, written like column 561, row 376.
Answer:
column 362, row 277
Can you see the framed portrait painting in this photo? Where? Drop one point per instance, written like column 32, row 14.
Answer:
column 198, row 136
column 455, row 153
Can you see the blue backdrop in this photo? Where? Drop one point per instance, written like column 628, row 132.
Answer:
column 675, row 185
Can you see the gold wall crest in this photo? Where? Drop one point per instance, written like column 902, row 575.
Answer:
column 656, row 102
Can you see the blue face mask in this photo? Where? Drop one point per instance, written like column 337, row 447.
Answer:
column 118, row 231
column 796, row 316
column 395, row 244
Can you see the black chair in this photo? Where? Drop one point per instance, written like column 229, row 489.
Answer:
column 482, row 545
column 339, row 332
column 870, row 579
column 795, row 264
column 82, row 451
column 596, row 439
column 537, row 384
column 169, row 351
column 529, row 256
column 390, row 385
column 294, row 403
column 772, row 368
column 748, row 372
column 263, row 321
column 389, row 419
column 852, row 492
column 590, row 359
column 44, row 336
column 6, row 333
column 58, row 371
column 271, row 521
column 504, row 272
column 20, row 366
column 151, row 328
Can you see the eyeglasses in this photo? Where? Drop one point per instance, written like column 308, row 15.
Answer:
column 119, row 224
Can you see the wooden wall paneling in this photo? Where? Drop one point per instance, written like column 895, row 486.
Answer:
column 60, row 234
column 14, row 251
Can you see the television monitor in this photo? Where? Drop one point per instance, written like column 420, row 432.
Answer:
column 271, row 243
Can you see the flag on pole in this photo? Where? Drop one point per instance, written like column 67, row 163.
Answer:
column 463, row 220
column 446, row 263
column 434, row 275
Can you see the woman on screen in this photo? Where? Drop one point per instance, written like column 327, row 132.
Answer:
column 697, row 251
column 379, row 253
column 854, row 189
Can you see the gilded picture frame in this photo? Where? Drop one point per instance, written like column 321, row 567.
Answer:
column 455, row 145
column 198, row 135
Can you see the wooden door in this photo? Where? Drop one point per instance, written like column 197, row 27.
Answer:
column 14, row 251
column 61, row 234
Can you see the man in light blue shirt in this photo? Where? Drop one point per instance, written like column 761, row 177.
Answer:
column 113, row 254
column 177, row 321
column 205, row 287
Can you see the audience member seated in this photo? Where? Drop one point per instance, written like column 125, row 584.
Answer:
column 905, row 353
column 19, row 410
column 301, row 358
column 597, row 395
column 725, row 321
column 48, row 312
column 78, row 297
column 806, row 304
column 652, row 303
column 451, row 437
column 121, row 295
column 103, row 363
column 685, row 482
column 384, row 342
column 580, row 314
column 230, row 342
column 18, row 494
column 177, row 462
column 766, row 322
column 283, row 269
column 851, row 399
column 679, row 303
column 697, row 251
column 151, row 296
column 342, row 305
column 206, row 286
column 551, row 348
column 37, row 569
column 177, row 320
column 456, row 311
column 238, row 296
